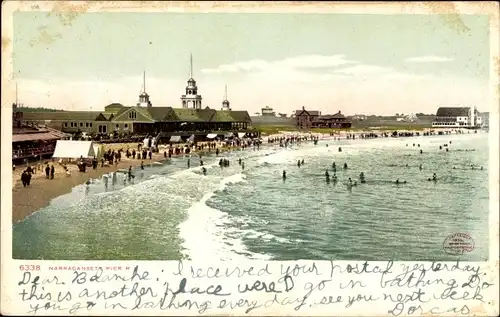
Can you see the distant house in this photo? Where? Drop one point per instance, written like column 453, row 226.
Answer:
column 304, row 118
column 484, row 119
column 456, row 117
column 360, row 117
column 337, row 120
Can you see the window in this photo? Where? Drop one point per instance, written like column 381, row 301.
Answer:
column 125, row 125
column 65, row 124
column 81, row 124
column 90, row 124
column 132, row 115
column 117, row 126
column 86, row 124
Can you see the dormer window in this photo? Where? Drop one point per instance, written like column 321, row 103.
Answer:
column 132, row 115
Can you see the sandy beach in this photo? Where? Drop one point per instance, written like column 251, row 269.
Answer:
column 27, row 200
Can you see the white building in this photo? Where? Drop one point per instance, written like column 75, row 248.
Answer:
column 456, row 117
column 408, row 118
column 360, row 117
column 226, row 105
column 144, row 97
column 268, row 111
column 484, row 119
column 191, row 99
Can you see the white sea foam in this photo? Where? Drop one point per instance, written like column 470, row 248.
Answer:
column 206, row 232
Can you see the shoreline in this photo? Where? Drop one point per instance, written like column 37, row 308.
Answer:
column 28, row 200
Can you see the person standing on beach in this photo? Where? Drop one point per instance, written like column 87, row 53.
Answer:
column 24, row 178
column 47, row 171
column 142, row 165
column 114, row 178
column 130, row 172
column 189, row 162
column 52, row 171
column 28, row 176
column 150, row 154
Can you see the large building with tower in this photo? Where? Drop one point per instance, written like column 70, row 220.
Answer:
column 226, row 105
column 144, row 118
column 191, row 99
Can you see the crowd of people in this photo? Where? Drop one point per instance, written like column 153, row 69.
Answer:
column 26, row 175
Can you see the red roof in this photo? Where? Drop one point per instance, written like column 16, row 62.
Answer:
column 34, row 137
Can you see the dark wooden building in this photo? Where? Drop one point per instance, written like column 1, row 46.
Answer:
column 308, row 119
column 333, row 121
column 305, row 118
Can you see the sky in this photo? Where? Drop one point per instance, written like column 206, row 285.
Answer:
column 354, row 63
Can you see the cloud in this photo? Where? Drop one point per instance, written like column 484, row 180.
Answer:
column 364, row 69
column 428, row 59
column 288, row 64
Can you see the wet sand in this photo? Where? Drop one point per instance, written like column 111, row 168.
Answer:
column 41, row 191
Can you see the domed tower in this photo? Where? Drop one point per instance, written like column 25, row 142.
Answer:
column 191, row 99
column 225, row 102
column 144, row 97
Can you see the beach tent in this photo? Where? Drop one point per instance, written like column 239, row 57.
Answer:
column 229, row 135
column 191, row 138
column 99, row 151
column 74, row 149
column 211, row 136
column 241, row 134
column 175, row 138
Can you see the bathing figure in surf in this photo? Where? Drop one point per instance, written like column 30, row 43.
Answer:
column 334, row 178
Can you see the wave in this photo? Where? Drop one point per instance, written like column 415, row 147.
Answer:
column 205, row 232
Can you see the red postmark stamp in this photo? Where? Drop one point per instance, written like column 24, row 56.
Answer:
column 458, row 244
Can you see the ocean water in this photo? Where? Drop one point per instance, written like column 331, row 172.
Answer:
column 170, row 212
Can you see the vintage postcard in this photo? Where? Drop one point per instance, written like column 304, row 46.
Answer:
column 250, row 158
